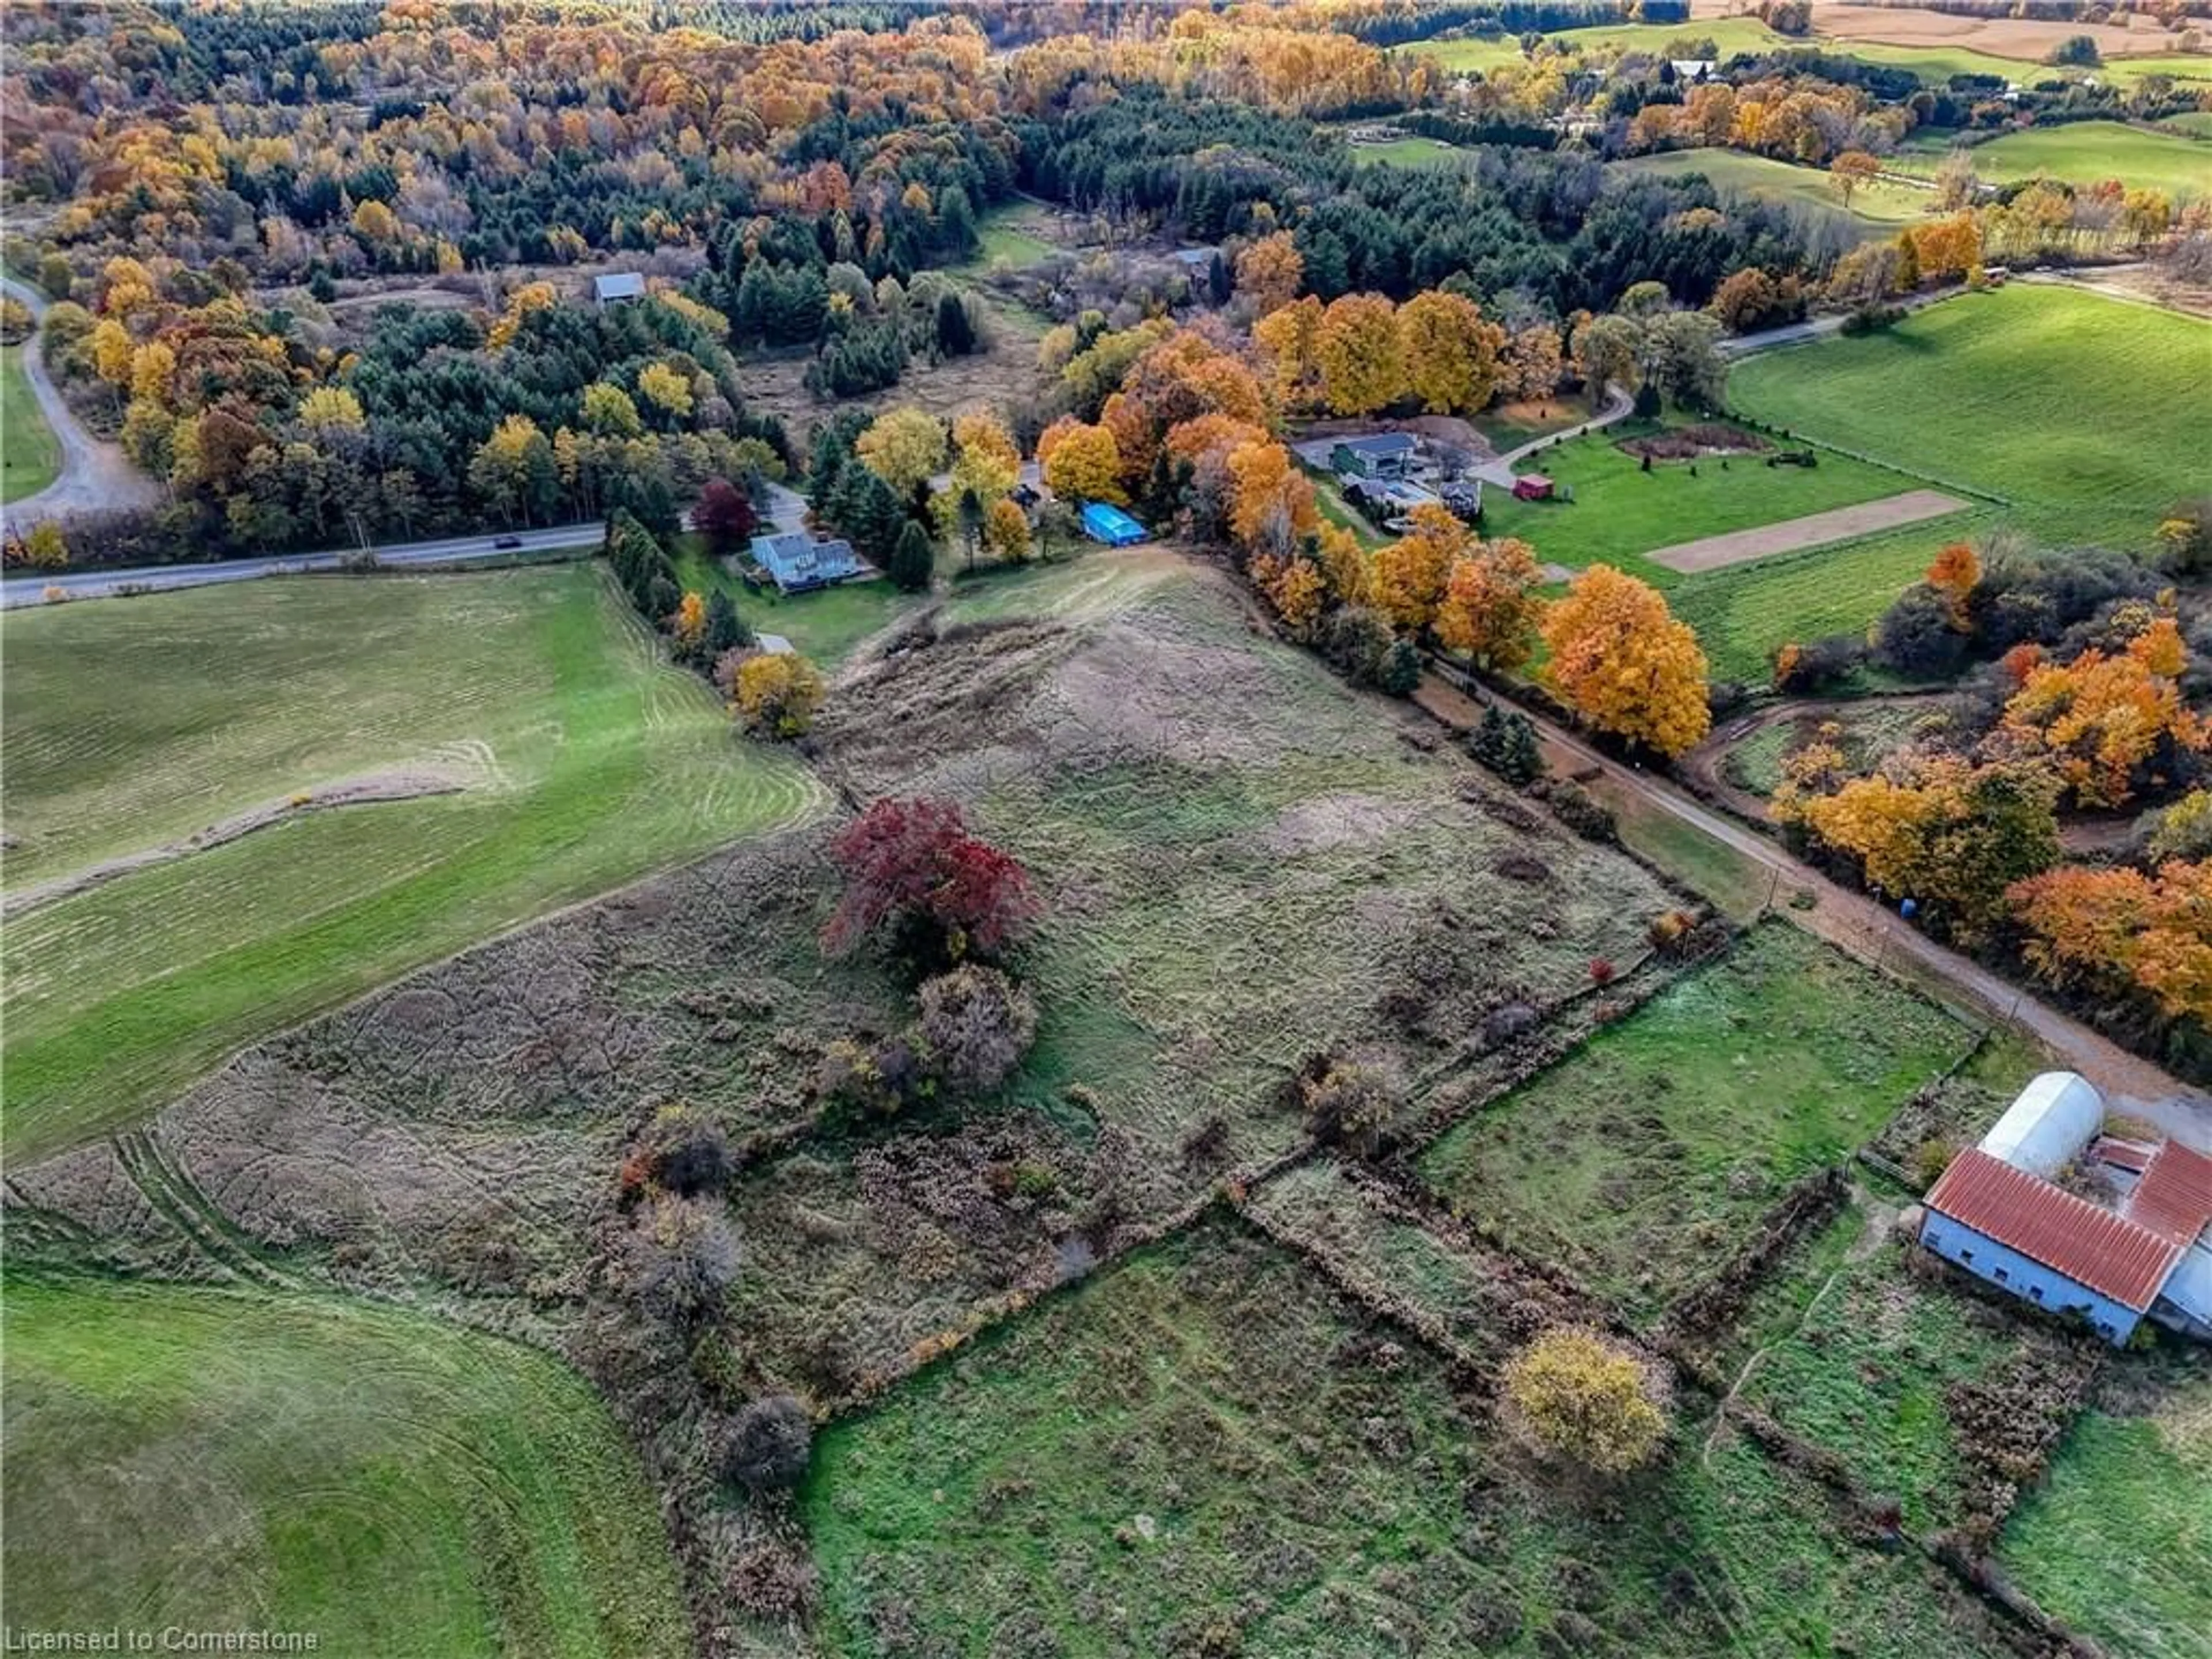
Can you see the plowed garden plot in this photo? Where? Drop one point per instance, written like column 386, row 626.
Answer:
column 1204, row 1449
column 1643, row 1162
column 182, row 1457
column 585, row 761
column 1814, row 530
column 2117, row 1539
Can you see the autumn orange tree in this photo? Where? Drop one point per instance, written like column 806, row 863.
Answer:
column 1082, row 462
column 1289, row 339
column 1940, row 830
column 2105, row 721
column 1269, row 272
column 1491, row 608
column 1408, row 576
column 1621, row 661
column 1955, row 572
column 2106, row 929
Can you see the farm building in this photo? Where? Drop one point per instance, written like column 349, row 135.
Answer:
column 1110, row 524
column 1532, row 487
column 1997, row 1213
column 620, row 286
column 1382, row 455
column 797, row 563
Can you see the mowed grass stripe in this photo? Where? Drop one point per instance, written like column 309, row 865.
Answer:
column 30, row 454
column 212, row 1460
column 613, row 764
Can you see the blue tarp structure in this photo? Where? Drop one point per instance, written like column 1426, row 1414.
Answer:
column 1111, row 525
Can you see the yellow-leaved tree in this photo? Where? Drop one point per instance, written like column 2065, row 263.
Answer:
column 903, row 447
column 1407, row 578
column 1490, row 608
column 1082, row 463
column 1621, row 661
column 1584, row 1400
column 776, row 693
column 1451, row 352
column 1363, row 365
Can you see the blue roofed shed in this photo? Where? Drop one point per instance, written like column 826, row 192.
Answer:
column 1104, row 522
column 797, row 563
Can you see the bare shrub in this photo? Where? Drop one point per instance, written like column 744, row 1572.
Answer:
column 1348, row 1104
column 767, row 1444
column 977, row 1025
column 680, row 1256
column 773, row 1581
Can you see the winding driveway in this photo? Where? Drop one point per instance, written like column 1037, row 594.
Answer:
column 94, row 473
column 1869, row 932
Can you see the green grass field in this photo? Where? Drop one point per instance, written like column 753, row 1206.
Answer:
column 1200, row 1452
column 1730, row 36
column 1636, row 1162
column 30, row 454
column 1879, row 205
column 2086, row 153
column 586, row 760
column 1965, row 391
column 1743, row 613
column 1620, row 512
column 1411, row 152
column 182, row 1457
column 2117, row 1540
column 1007, row 237
column 824, row 625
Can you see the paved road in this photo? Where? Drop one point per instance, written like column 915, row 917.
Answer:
column 1499, row 472
column 95, row 473
column 1869, row 931
column 20, row 591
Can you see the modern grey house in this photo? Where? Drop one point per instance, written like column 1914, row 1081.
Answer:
column 1381, row 455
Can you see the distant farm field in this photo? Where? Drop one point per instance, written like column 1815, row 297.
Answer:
column 2088, row 153
column 30, row 455
column 1652, row 1150
column 579, row 759
column 1879, row 205
column 217, row 1461
column 2117, row 1540
column 2079, row 410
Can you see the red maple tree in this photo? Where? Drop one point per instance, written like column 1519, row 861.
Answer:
column 911, row 865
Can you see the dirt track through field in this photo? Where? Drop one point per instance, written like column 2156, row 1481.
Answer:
column 1815, row 529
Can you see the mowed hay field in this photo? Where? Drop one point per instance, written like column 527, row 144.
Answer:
column 2087, row 153
column 2117, row 1540
column 2085, row 414
column 582, row 760
column 401, row 1488
column 30, row 454
column 1620, row 512
column 1205, row 1449
column 1647, row 1156
column 1879, row 205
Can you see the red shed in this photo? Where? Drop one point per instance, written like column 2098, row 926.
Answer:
column 1532, row 487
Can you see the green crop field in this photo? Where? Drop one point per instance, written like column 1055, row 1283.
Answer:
column 215, row 1461
column 1964, row 391
column 1730, row 1085
column 582, row 760
column 2117, row 1540
column 1620, row 511
column 1203, row 1451
column 30, row 454
column 1741, row 613
column 1879, row 205
column 2086, row 153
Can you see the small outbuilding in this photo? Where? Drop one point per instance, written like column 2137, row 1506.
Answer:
column 616, row 288
column 2046, row 1129
column 1532, row 487
column 1108, row 524
column 1381, row 455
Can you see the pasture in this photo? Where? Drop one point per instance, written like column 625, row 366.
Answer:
column 1205, row 1449
column 1620, row 513
column 1879, row 206
column 1009, row 235
column 30, row 454
column 1730, row 36
column 575, row 758
column 2085, row 153
column 182, row 1456
column 1412, row 151
column 2117, row 1540
column 1639, row 1161
column 1963, row 391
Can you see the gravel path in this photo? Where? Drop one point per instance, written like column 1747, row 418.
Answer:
column 95, row 473
column 1813, row 530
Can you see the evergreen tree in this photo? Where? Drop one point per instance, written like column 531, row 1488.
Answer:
column 1400, row 675
column 726, row 628
column 1505, row 743
column 913, row 560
